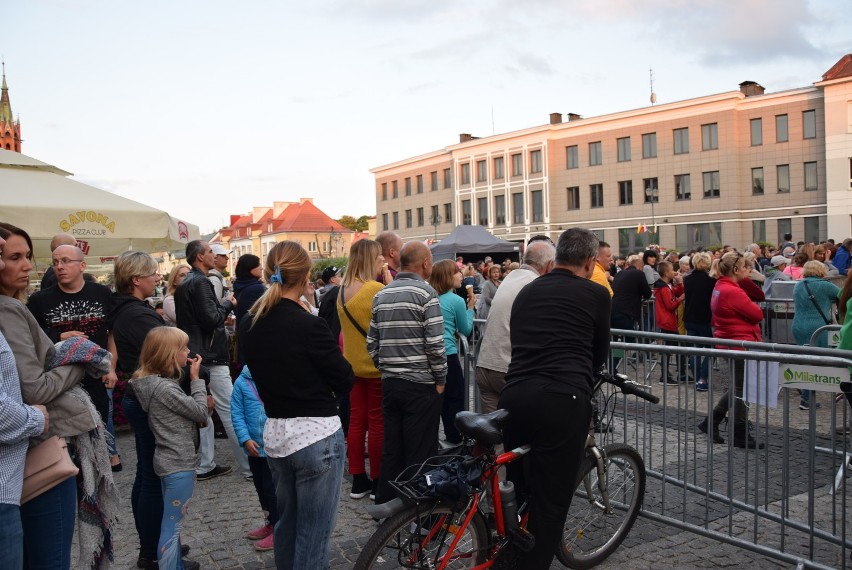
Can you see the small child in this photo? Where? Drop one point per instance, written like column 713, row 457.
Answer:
column 174, row 418
column 249, row 417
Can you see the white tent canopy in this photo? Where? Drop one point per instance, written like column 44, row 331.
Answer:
column 42, row 200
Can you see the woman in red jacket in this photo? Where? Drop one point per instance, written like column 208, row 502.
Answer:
column 735, row 317
column 668, row 296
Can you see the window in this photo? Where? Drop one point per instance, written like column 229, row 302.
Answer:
column 384, row 190
column 433, row 179
column 625, row 192
column 756, row 132
column 537, row 206
column 651, row 189
column 420, row 217
column 810, row 176
column 385, row 226
column 466, row 217
column 325, row 247
column 595, row 157
column 681, row 141
column 758, row 230
column 499, row 171
column 396, row 220
column 481, row 171
column 448, row 213
column 434, row 217
column 781, row 132
column 623, row 149
column 574, row 198
column 572, row 156
column 535, row 161
column 448, row 178
column 465, row 173
column 408, row 218
column 683, row 190
column 408, row 186
column 710, row 136
column 782, row 172
column 500, row 210
column 419, row 183
column 711, row 184
column 757, row 181
column 517, row 165
column 396, row 189
column 812, row 229
column 785, row 226
column 596, row 195
column 649, row 145
column 482, row 210
column 312, row 246
column 809, row 124
column 518, row 208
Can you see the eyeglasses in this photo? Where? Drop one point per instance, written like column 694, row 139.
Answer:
column 65, row 261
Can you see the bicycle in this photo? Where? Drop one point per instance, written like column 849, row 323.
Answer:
column 438, row 521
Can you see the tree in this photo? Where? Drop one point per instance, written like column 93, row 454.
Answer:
column 359, row 225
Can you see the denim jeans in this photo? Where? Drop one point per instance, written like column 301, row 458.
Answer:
column 701, row 371
column 177, row 491
column 146, row 498
column 265, row 487
column 307, row 486
column 48, row 522
column 11, row 537
column 221, row 387
column 453, row 398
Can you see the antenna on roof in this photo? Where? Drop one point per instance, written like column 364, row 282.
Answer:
column 653, row 95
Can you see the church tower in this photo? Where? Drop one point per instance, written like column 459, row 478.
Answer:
column 10, row 129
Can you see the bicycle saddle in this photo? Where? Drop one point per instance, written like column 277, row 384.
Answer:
column 484, row 428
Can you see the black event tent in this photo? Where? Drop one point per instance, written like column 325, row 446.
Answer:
column 473, row 242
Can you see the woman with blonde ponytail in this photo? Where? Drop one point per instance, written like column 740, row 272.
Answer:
column 298, row 368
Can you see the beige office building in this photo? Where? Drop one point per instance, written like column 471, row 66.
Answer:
column 730, row 168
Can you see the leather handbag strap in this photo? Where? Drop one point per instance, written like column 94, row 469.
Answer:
column 348, row 314
column 813, row 300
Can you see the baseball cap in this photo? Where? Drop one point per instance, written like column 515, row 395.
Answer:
column 778, row 260
column 789, row 252
column 219, row 250
column 329, row 272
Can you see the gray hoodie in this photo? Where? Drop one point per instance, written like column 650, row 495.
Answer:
column 173, row 417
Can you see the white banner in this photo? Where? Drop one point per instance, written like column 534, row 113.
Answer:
column 761, row 383
column 822, row 378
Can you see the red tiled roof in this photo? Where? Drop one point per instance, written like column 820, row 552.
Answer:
column 305, row 217
column 843, row 68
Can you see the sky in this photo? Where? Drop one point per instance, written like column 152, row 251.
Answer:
column 209, row 108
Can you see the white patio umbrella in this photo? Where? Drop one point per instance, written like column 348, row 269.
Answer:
column 42, row 200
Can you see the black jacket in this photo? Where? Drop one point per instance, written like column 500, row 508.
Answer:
column 629, row 287
column 130, row 320
column 328, row 311
column 201, row 317
column 698, row 288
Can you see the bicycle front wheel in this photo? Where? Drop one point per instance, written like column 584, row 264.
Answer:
column 592, row 531
column 419, row 537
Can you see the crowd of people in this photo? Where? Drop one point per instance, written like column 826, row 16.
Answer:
column 310, row 374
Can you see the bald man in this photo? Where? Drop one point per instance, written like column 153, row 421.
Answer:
column 406, row 343
column 391, row 248
column 49, row 277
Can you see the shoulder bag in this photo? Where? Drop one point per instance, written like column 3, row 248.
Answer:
column 47, row 465
column 358, row 327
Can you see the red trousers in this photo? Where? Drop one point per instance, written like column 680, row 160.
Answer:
column 365, row 409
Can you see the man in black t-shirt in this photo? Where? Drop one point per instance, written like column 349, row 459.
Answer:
column 76, row 307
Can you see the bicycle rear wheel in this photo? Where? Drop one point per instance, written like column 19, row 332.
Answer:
column 419, row 537
column 591, row 534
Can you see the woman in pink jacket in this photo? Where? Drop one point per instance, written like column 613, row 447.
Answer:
column 735, row 317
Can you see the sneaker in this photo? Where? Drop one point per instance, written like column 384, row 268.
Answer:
column 260, row 533
column 215, row 472
column 361, row 486
column 265, row 544
column 806, row 406
column 375, row 488
column 702, row 386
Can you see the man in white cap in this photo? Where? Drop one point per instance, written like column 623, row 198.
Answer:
column 220, row 264
column 775, row 272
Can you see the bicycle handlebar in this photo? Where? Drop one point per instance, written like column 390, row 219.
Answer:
column 625, row 385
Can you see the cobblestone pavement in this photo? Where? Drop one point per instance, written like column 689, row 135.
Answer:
column 225, row 508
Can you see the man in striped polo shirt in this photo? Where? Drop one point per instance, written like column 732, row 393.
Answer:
column 406, row 342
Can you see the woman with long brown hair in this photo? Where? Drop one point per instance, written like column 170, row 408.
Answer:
column 298, row 367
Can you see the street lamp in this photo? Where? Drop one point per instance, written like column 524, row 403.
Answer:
column 334, row 237
column 652, row 194
column 435, row 221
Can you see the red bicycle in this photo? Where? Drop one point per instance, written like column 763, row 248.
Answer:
column 454, row 512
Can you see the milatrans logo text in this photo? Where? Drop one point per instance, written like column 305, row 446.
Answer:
column 809, row 377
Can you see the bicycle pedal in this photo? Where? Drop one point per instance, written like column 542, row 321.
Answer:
column 522, row 539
